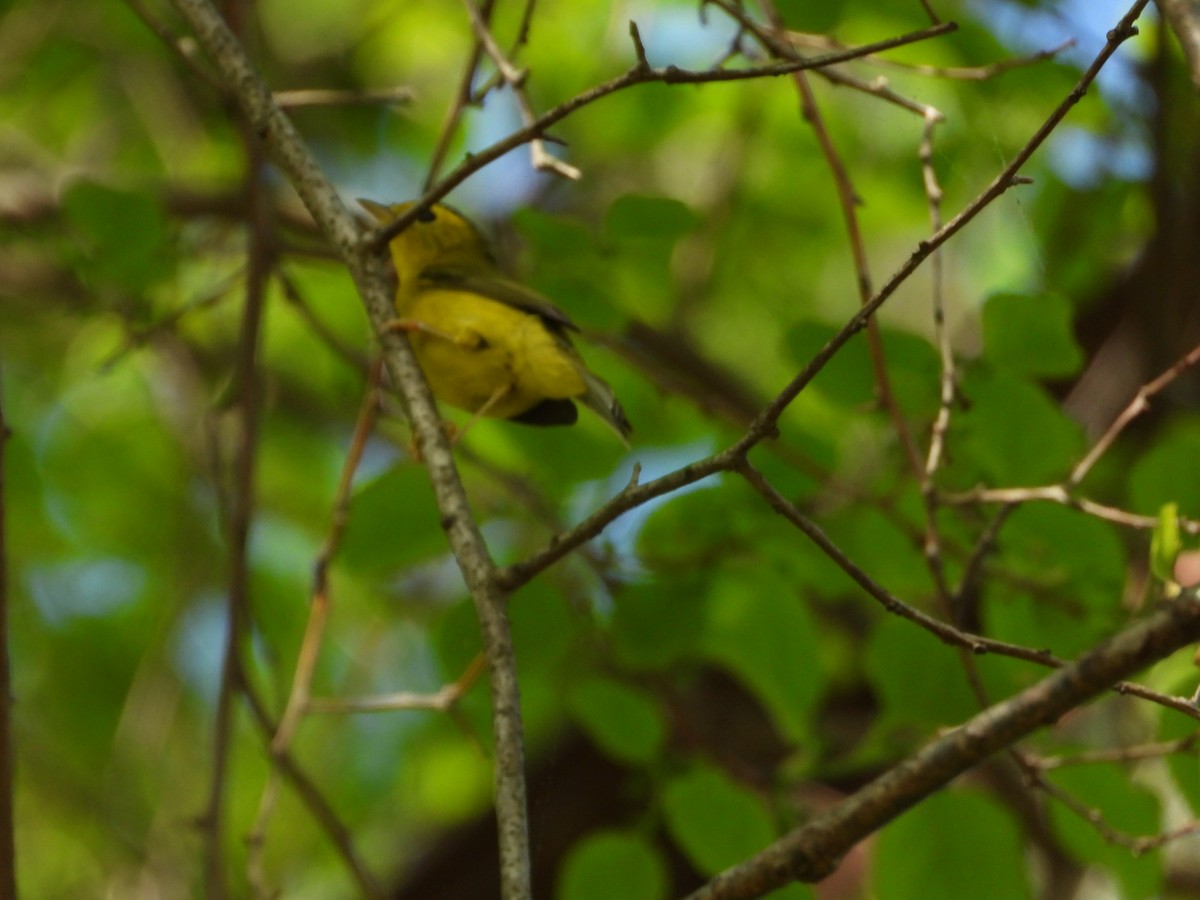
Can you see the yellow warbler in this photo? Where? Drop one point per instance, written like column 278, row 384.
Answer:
column 486, row 343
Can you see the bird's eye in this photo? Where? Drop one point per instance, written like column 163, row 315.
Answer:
column 426, row 215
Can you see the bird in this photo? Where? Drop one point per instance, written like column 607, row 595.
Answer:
column 486, row 343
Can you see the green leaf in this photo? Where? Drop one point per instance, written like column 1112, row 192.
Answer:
column 917, row 679
column 642, row 232
column 122, row 235
column 569, row 267
column 1125, row 806
column 758, row 627
column 624, row 721
column 611, row 864
column 1067, row 573
column 847, row 378
column 543, row 626
column 814, row 18
column 1165, row 545
column 683, row 528
column 393, row 521
column 640, row 218
column 954, row 843
column 1166, row 473
column 1184, row 767
column 1030, row 336
column 715, row 822
column 878, row 542
column 658, row 623
column 1013, row 432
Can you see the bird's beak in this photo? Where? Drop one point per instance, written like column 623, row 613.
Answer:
column 381, row 212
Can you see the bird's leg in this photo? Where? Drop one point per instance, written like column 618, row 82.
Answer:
column 497, row 395
column 453, row 432
column 411, row 325
column 467, row 339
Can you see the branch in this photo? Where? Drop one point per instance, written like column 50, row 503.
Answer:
column 641, row 73
column 1124, row 30
column 812, row 851
column 298, row 99
column 954, row 73
column 241, row 514
column 1138, row 405
column 765, row 423
column 371, row 276
column 318, row 806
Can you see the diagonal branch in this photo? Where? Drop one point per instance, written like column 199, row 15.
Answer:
column 813, row 850
column 640, row 73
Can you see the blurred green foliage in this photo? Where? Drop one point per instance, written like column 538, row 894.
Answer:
column 705, row 249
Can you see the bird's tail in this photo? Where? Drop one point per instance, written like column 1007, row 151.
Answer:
column 601, row 400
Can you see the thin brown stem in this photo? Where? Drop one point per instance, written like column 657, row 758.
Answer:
column 238, row 614
column 440, row 700
column 1137, row 406
column 957, row 73
column 515, row 77
column 641, row 73
column 462, row 99
column 1116, row 754
column 1006, row 179
column 305, row 97
column 319, row 808
column 8, row 855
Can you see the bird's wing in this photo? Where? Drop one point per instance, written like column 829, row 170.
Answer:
column 502, row 290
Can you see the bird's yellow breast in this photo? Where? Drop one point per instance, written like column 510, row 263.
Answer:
column 484, row 349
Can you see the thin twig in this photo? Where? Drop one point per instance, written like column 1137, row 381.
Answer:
column 514, row 77
column 640, row 73
column 319, row 605
column 1058, row 493
column 8, row 856
column 941, row 422
column 848, row 201
column 948, row 634
column 1136, row 844
column 1137, row 406
column 1115, row 754
column 957, row 73
column 320, row 809
column 238, row 616
column 462, row 99
column 440, row 700
column 783, row 50
column 300, row 98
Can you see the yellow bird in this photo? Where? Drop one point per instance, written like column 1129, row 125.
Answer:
column 486, row 343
